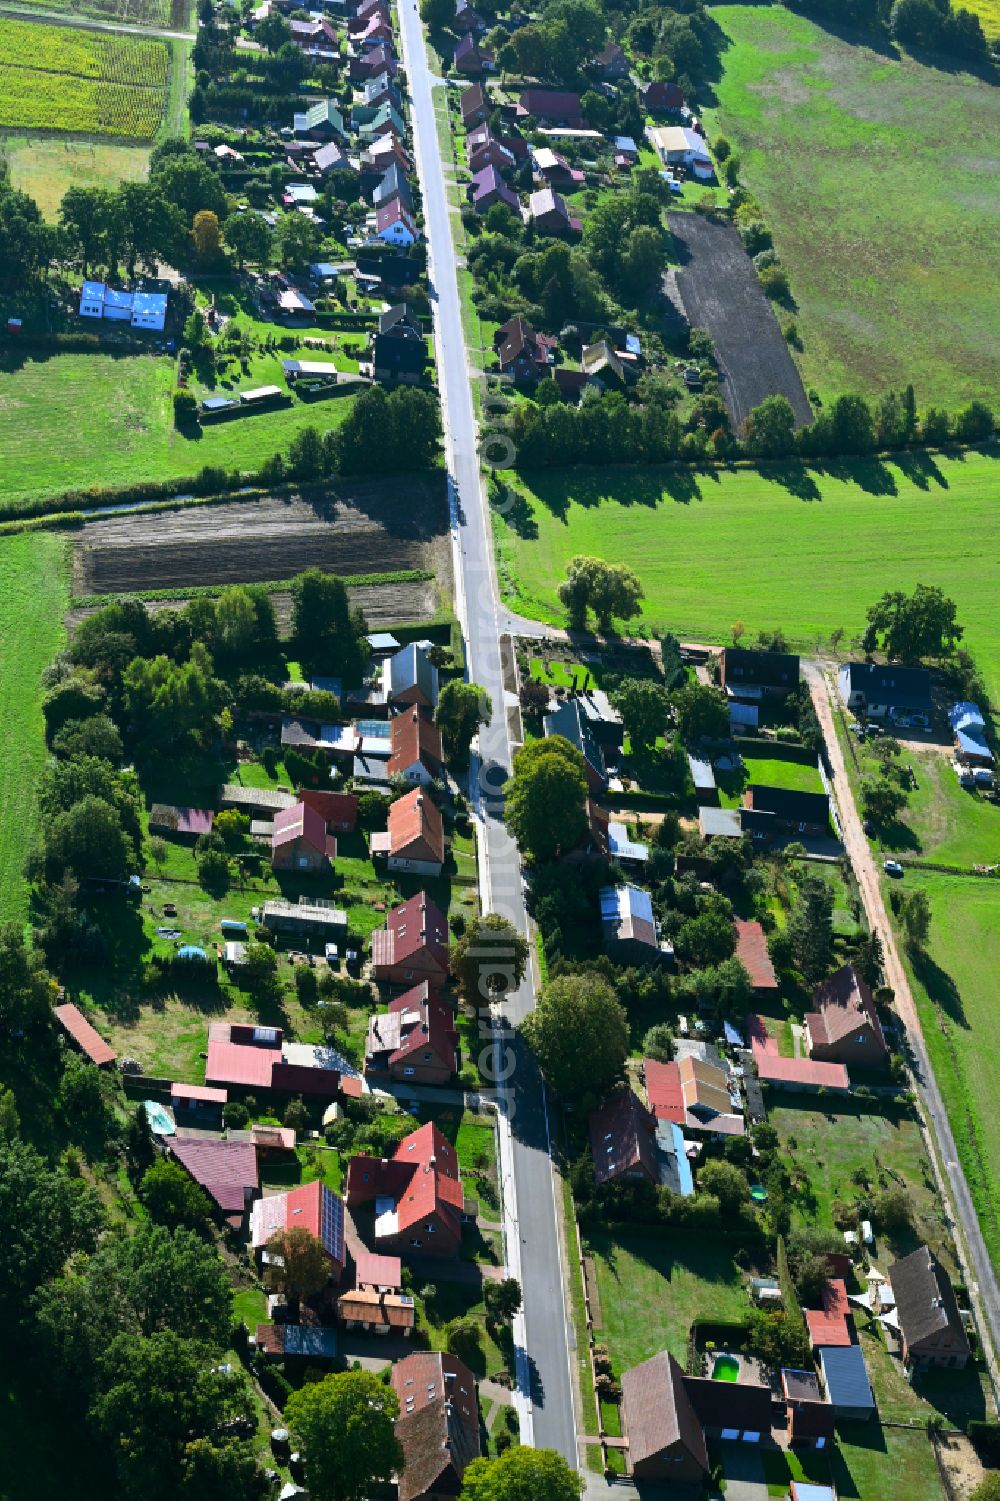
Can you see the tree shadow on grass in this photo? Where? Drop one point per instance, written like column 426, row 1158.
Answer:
column 920, row 468
column 870, row 474
column 861, row 1436
column 940, row 987
column 796, row 479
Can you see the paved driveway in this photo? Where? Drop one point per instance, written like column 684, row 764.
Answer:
column 744, row 1472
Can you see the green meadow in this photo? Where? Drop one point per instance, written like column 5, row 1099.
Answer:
column 34, row 594
column 114, row 415
column 806, row 550
column 878, row 176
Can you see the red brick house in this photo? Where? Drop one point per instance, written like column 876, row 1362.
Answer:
column 623, row 1140
column 417, row 1194
column 416, row 1042
column 299, row 841
column 845, row 1027
column 438, row 1424
column 413, row 945
column 664, row 1436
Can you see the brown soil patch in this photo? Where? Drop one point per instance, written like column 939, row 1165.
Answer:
column 375, row 526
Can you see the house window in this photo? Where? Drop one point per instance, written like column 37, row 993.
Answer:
column 431, row 1229
column 416, row 1242
column 821, row 1443
column 408, row 1071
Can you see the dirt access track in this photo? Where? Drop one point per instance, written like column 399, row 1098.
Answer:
column 721, row 294
column 367, row 526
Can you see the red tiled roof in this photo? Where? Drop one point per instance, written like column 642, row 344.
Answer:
column 416, row 829
column 273, row 1137
column 371, row 1270
column 199, row 1092
column 623, row 1138
column 844, row 1003
column 225, row 1169
column 414, row 738
column 828, row 1326
column 246, row 1063
column 310, row 1206
column 84, row 1035
column 664, row 1090
column 300, row 821
column 422, row 1176
column 339, row 808
column 751, row 950
column 270, row 1339
column 771, row 1067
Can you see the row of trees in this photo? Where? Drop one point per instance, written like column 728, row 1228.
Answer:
column 930, row 26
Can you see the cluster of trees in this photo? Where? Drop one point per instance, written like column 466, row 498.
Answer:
column 930, row 26
column 28, row 245
column 850, row 425
column 625, row 240
column 385, row 432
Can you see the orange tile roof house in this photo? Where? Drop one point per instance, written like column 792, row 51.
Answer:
column 623, row 1140
column 792, row 1073
column 414, row 838
column 377, row 1302
column 693, row 1093
column 845, row 1027
column 829, row 1326
column 87, row 1038
column 416, row 753
column 299, row 841
column 438, row 1424
column 417, row 1193
column 413, row 945
column 415, row 1042
column 751, row 950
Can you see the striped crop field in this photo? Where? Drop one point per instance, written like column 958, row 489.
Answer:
column 55, row 78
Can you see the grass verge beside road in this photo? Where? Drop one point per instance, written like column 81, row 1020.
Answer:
column 954, row 987
column 34, row 592
column 780, row 545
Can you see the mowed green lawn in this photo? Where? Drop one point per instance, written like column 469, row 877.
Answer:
column 652, row 1288
column 956, row 995
column 878, row 177
column 94, row 419
column 802, row 549
column 34, row 594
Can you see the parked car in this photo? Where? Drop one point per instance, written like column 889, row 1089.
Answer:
column 892, row 867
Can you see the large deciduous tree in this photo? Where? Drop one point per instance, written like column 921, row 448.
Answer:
column 462, row 708
column 910, row 627
column 545, row 799
column 345, row 1426
column 611, row 590
column 522, row 1475
column 579, row 1032
column 490, row 958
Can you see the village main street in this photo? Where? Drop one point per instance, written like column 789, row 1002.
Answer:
column 533, row 1232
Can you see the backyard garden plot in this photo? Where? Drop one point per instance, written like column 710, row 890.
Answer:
column 57, row 78
column 878, row 176
column 804, row 549
column 360, row 525
column 721, row 293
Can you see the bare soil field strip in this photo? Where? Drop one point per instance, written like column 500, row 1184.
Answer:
column 376, row 526
column 721, row 293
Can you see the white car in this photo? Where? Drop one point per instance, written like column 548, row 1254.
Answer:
column 892, row 867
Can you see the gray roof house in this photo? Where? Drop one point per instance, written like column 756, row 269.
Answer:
column 879, row 690
column 572, row 724
column 629, row 927
column 410, row 677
